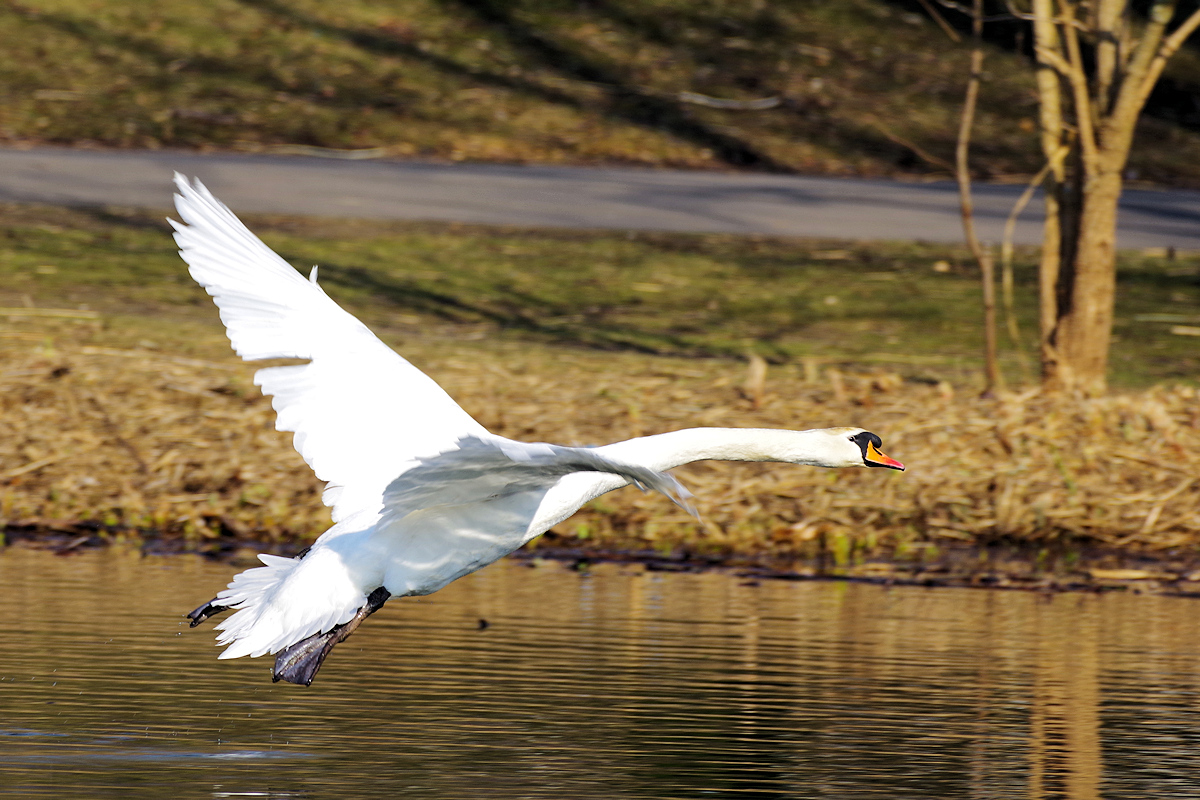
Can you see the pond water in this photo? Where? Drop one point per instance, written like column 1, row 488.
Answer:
column 614, row 683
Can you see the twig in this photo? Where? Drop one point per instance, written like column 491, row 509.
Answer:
column 1006, row 257
column 917, row 150
column 1166, row 49
column 761, row 104
column 959, row 7
column 1152, row 517
column 940, row 20
column 33, row 465
column 1022, row 15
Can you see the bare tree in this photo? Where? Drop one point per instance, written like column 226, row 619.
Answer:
column 962, row 171
column 1088, row 111
column 1097, row 62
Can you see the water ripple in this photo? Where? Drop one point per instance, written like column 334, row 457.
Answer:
column 620, row 683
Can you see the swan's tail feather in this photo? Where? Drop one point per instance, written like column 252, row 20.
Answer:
column 285, row 601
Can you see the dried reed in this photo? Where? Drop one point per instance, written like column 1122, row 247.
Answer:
column 146, row 444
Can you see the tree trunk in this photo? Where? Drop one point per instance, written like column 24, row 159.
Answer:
column 1084, row 327
column 1048, row 269
column 1106, row 91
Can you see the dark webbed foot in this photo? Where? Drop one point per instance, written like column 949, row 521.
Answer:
column 299, row 662
column 209, row 609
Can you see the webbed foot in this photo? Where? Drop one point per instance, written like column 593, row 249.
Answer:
column 203, row 612
column 298, row 663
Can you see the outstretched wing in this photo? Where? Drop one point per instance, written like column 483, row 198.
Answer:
column 362, row 415
column 490, row 468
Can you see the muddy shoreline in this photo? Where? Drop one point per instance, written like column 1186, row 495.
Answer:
column 1005, row 566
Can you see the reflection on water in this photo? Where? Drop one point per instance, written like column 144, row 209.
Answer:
column 615, row 683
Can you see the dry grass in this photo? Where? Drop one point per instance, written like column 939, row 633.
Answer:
column 130, row 415
column 144, row 443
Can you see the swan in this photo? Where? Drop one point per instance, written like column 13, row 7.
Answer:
column 421, row 493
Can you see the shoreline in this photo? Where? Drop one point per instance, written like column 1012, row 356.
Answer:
column 1002, row 566
column 125, row 417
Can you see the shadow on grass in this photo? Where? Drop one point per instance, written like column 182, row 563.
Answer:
column 701, row 34
column 97, row 38
column 625, row 99
column 514, row 315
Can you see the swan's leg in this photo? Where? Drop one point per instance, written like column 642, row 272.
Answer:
column 214, row 607
column 209, row 609
column 299, row 662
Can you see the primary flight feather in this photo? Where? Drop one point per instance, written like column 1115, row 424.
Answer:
column 421, row 493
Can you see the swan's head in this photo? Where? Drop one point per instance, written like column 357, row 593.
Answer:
column 868, row 447
column 853, row 447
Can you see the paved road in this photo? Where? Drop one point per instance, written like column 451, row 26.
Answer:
column 573, row 197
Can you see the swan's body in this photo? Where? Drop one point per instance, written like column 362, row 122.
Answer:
column 421, row 493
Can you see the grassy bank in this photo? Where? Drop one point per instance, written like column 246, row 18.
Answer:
column 907, row 308
column 122, row 408
column 865, row 87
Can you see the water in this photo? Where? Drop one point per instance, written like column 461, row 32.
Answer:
column 618, row 683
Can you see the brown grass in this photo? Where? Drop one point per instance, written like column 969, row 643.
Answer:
column 143, row 443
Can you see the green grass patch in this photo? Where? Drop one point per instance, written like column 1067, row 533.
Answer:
column 670, row 294
column 865, row 87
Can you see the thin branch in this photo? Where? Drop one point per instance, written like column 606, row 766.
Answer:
column 953, row 6
column 914, row 147
column 1176, row 39
column 962, row 171
column 1167, row 49
column 1126, row 44
column 1012, row 9
column 960, row 8
column 1006, row 255
column 940, row 20
column 1108, row 21
column 1073, row 23
column 761, row 104
column 1144, row 68
column 1083, row 101
column 1054, row 60
column 1050, row 76
column 1046, row 48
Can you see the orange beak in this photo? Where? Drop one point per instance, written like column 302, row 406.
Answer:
column 877, row 459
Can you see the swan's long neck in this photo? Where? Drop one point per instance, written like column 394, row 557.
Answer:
column 666, row 450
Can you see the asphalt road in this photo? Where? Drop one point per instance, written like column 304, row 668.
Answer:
column 572, row 197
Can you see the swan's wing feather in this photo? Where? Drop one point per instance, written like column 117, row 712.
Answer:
column 480, row 469
column 360, row 412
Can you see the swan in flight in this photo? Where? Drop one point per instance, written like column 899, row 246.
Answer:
column 421, row 493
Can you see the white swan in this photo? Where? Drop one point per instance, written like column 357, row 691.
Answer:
column 421, row 493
